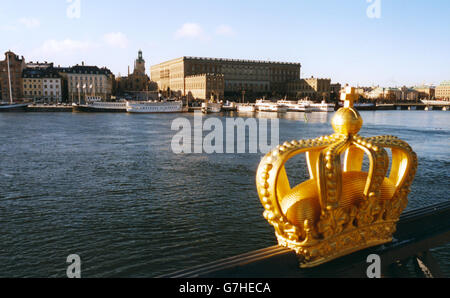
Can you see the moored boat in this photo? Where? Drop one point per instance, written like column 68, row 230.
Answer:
column 268, row 106
column 101, row 107
column 246, row 108
column 211, row 107
column 150, row 107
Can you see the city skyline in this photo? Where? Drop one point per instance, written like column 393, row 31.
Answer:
column 406, row 44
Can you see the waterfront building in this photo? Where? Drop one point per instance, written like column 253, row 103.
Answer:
column 16, row 67
column 443, row 91
column 391, row 94
column 136, row 82
column 205, row 86
column 426, row 92
column 252, row 77
column 42, row 84
column 313, row 88
column 83, row 81
column 409, row 94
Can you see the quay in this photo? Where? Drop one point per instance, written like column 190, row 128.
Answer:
column 49, row 108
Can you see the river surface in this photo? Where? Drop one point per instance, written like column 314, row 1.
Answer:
column 109, row 188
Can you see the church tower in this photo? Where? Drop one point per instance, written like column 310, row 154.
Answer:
column 139, row 65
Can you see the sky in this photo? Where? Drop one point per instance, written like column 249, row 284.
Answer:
column 359, row 42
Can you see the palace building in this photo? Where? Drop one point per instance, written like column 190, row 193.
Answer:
column 253, row 77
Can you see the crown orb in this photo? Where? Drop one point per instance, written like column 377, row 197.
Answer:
column 347, row 121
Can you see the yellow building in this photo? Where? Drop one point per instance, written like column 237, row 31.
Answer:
column 443, row 91
column 313, row 88
column 254, row 77
column 205, row 86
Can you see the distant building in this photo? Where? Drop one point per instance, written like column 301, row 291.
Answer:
column 312, row 88
column 390, row 94
column 409, row 94
column 335, row 91
column 137, row 81
column 83, row 81
column 42, row 84
column 426, row 92
column 16, row 67
column 256, row 78
column 443, row 91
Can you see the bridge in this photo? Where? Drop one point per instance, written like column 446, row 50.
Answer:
column 427, row 105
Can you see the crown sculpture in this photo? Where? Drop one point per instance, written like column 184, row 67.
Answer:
column 341, row 209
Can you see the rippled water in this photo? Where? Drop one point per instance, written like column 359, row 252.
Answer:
column 108, row 188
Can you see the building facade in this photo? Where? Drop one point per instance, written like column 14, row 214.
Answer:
column 253, row 77
column 205, row 86
column 83, row 81
column 443, row 91
column 426, row 92
column 311, row 88
column 42, row 85
column 16, row 67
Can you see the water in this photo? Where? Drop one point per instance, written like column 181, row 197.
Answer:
column 108, row 188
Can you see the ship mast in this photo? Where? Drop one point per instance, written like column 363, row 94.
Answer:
column 9, row 80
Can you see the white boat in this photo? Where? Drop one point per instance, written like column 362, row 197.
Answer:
column 319, row 107
column 268, row 106
column 211, row 107
column 150, row 107
column 11, row 106
column 102, row 107
column 295, row 106
column 246, row 108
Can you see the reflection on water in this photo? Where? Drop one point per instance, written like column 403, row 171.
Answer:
column 108, row 188
column 296, row 116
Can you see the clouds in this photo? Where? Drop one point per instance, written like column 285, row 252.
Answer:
column 190, row 30
column 29, row 23
column 116, row 40
column 66, row 46
column 225, row 30
column 22, row 23
column 196, row 31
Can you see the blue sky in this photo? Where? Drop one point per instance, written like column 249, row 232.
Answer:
column 408, row 44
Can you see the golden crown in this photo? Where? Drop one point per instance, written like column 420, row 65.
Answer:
column 341, row 209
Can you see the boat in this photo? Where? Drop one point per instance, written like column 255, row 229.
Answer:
column 295, row 106
column 268, row 106
column 246, row 108
column 319, row 107
column 211, row 107
column 101, row 107
column 151, row 107
column 229, row 106
column 11, row 106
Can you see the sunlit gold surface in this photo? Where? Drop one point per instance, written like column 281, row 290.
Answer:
column 341, row 209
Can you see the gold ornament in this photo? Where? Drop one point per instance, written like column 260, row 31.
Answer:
column 341, row 209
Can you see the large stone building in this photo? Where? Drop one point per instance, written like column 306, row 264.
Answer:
column 443, row 91
column 205, row 86
column 254, row 77
column 426, row 92
column 137, row 81
column 83, row 81
column 16, row 67
column 312, row 88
